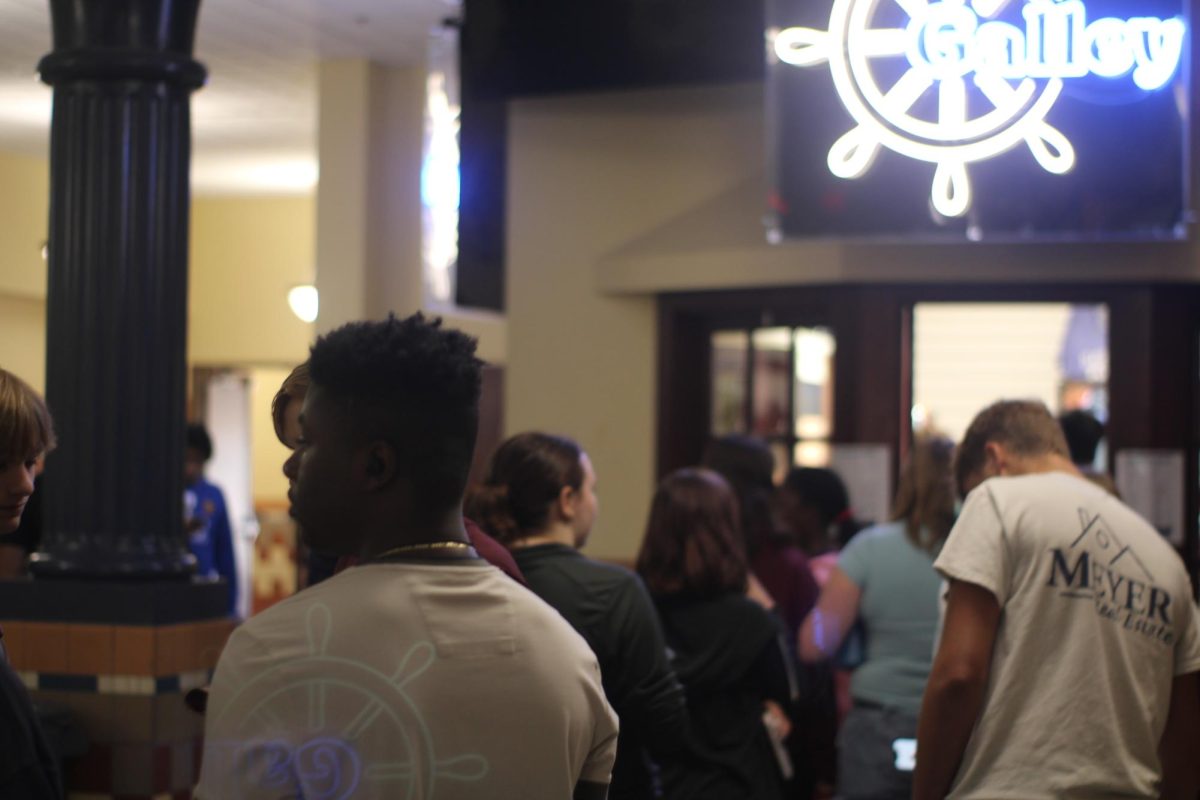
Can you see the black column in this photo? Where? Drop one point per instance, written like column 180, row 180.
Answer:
column 123, row 73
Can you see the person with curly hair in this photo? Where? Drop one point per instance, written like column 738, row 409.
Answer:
column 424, row 671
column 285, row 413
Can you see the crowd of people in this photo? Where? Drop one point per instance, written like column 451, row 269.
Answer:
column 1041, row 641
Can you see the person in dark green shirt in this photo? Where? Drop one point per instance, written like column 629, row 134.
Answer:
column 539, row 499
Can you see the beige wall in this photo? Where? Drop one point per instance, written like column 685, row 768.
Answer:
column 716, row 239
column 267, row 454
column 24, row 212
column 586, row 175
column 615, row 197
column 23, row 220
column 23, row 339
column 246, row 252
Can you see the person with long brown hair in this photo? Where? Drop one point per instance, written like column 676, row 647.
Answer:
column 885, row 580
column 781, row 568
column 539, row 499
column 727, row 648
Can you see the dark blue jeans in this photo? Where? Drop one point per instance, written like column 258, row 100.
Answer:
column 867, row 753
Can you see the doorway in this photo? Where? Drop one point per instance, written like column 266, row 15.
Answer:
column 968, row 355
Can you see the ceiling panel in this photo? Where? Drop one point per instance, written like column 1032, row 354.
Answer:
column 259, row 106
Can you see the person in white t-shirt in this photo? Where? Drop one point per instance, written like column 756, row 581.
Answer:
column 1068, row 661
column 424, row 671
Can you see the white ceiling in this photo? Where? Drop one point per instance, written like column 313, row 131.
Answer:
column 254, row 124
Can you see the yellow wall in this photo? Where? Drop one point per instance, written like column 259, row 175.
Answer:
column 24, row 209
column 267, row 453
column 614, row 197
column 23, row 339
column 246, row 252
column 586, row 175
column 23, row 220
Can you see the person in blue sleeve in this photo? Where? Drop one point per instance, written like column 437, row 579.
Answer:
column 206, row 518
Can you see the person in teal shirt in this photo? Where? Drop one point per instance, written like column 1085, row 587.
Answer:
column 885, row 582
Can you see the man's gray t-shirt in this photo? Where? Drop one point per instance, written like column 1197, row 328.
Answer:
column 899, row 610
column 1097, row 620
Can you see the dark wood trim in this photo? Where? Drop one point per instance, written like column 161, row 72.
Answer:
column 1154, row 353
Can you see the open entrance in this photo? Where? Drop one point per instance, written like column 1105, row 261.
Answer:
column 968, row 355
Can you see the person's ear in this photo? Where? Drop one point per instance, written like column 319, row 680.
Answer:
column 379, row 465
column 997, row 459
column 567, row 503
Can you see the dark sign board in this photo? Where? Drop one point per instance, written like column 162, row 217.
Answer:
column 991, row 119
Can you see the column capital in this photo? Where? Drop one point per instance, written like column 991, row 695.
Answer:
column 123, row 40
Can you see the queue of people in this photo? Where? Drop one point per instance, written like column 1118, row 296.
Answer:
column 1040, row 643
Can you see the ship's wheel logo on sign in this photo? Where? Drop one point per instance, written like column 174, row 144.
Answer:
column 996, row 73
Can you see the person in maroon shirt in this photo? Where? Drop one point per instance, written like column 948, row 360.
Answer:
column 781, row 568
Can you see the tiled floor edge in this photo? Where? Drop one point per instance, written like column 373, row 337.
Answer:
column 121, row 685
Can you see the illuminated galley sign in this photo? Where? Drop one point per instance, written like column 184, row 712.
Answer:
column 1018, row 69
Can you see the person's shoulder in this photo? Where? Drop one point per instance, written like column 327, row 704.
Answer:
column 279, row 617
column 539, row 619
column 880, row 535
column 606, row 574
column 1011, row 497
column 285, row 619
column 785, row 551
column 740, row 607
column 207, row 487
column 1042, row 485
column 599, row 576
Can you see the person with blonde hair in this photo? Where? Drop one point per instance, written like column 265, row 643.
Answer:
column 27, row 767
column 1069, row 660
column 884, row 579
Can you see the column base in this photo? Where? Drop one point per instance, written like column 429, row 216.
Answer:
column 116, row 659
column 92, row 563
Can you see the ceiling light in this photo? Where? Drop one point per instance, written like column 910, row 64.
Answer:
column 304, row 302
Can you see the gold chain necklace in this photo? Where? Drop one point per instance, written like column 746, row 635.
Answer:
column 421, row 547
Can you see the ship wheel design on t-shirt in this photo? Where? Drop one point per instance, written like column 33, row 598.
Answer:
column 344, row 701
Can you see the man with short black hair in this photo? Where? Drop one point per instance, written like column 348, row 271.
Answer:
column 423, row 671
column 1069, row 657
